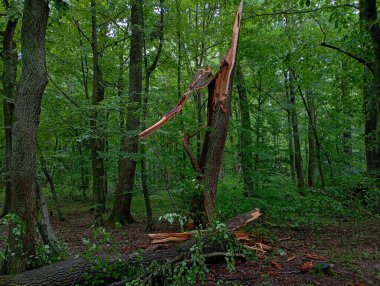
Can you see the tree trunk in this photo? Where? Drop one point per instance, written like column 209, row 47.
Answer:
column 24, row 135
column 245, row 134
column 370, row 22
column 311, row 141
column 296, row 138
column 290, row 145
column 127, row 166
column 347, row 132
column 219, row 109
column 97, row 139
column 9, row 86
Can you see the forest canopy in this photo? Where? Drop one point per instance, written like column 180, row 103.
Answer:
column 272, row 105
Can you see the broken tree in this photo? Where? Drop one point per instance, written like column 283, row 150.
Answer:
column 70, row 272
column 218, row 115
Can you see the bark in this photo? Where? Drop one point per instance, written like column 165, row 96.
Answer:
column 24, row 134
column 9, row 89
column 70, row 272
column 312, row 120
column 290, row 145
column 311, row 141
column 296, row 138
column 245, row 135
column 218, row 115
column 98, row 138
column 127, row 166
column 370, row 22
column 347, row 132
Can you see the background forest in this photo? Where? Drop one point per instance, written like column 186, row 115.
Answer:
column 303, row 138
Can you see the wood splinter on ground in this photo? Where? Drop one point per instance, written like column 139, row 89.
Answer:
column 233, row 225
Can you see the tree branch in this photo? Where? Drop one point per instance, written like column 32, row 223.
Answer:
column 360, row 60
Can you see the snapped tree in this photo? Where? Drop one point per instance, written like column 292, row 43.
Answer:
column 218, row 115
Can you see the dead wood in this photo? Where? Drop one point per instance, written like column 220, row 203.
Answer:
column 70, row 272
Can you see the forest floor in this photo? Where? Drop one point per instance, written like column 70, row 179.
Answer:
column 351, row 248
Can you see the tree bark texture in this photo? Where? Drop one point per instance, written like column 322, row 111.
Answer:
column 9, row 87
column 311, row 140
column 296, row 138
column 98, row 138
column 245, row 134
column 24, row 134
column 127, row 165
column 370, row 22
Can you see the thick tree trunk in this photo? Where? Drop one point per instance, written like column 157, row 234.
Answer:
column 296, row 138
column 370, row 22
column 24, row 141
column 127, row 166
column 245, row 134
column 98, row 138
column 9, row 87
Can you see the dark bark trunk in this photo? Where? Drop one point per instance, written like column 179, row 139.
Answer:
column 9, row 87
column 127, row 166
column 371, row 88
column 245, row 134
column 24, row 134
column 347, row 132
column 219, row 109
column 290, row 145
column 296, row 138
column 311, row 141
column 98, row 138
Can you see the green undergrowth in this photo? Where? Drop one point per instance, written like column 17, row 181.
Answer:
column 283, row 206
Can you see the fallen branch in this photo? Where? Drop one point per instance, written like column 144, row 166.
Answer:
column 70, row 272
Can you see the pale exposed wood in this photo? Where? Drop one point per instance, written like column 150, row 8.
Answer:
column 201, row 79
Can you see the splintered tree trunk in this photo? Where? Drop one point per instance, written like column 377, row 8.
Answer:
column 218, row 115
column 245, row 135
column 296, row 138
column 127, row 165
column 22, row 248
column 9, row 86
column 98, row 138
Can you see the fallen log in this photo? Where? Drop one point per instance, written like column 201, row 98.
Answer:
column 70, row 272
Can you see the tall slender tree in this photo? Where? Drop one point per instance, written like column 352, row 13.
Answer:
column 127, row 165
column 96, row 123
